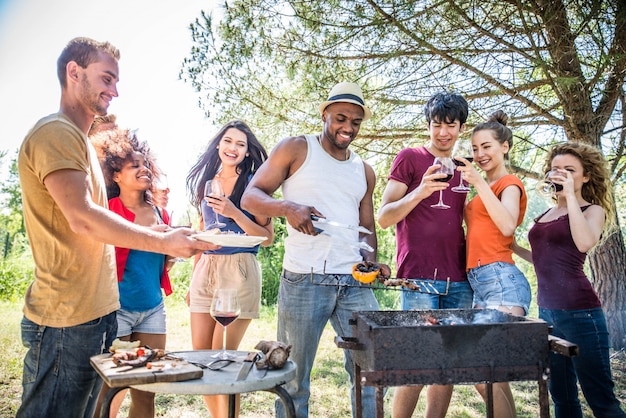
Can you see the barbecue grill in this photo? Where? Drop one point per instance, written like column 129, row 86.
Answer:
column 448, row 346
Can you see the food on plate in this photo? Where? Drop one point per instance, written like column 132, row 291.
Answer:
column 365, row 271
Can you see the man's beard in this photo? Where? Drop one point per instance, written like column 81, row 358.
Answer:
column 86, row 96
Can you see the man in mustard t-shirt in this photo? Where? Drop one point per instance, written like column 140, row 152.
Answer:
column 69, row 311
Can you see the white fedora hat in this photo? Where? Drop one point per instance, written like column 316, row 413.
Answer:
column 348, row 93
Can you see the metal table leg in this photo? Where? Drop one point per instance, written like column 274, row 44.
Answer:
column 285, row 397
column 231, row 405
column 105, row 408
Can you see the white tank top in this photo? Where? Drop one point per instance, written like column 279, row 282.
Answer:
column 335, row 188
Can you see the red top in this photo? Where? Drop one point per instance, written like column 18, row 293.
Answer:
column 121, row 254
column 561, row 279
column 430, row 242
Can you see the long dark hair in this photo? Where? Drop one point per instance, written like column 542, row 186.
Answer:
column 209, row 164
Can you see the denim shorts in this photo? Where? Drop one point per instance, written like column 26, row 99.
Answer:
column 151, row 321
column 499, row 284
column 458, row 295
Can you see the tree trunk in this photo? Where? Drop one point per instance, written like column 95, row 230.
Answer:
column 608, row 276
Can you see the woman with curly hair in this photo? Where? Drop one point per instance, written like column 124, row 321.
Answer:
column 560, row 240
column 232, row 156
column 129, row 169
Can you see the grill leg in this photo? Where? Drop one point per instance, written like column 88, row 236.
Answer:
column 490, row 400
column 544, row 402
column 380, row 402
column 358, row 404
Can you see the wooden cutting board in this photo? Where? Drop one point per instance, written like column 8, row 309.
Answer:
column 172, row 371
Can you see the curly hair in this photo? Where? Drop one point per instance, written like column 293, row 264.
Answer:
column 114, row 148
column 496, row 123
column 598, row 190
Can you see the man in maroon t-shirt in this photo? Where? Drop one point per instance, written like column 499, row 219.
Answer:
column 430, row 246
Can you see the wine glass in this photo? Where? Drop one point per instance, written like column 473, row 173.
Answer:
column 462, row 148
column 225, row 309
column 546, row 188
column 446, row 166
column 212, row 219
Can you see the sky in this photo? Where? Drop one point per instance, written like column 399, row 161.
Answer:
column 153, row 38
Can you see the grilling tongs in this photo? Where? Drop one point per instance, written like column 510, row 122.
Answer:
column 340, row 225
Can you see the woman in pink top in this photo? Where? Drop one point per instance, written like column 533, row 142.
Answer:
column 492, row 217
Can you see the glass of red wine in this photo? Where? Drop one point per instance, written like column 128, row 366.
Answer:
column 225, row 309
column 446, row 166
column 547, row 188
column 462, row 148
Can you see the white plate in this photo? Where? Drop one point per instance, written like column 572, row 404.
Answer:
column 230, row 240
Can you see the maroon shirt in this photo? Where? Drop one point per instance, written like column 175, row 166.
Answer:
column 429, row 239
column 561, row 280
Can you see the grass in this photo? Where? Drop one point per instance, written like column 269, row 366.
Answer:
column 329, row 386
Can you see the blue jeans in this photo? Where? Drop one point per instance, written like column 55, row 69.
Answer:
column 499, row 284
column 58, row 380
column 459, row 296
column 305, row 305
column 591, row 368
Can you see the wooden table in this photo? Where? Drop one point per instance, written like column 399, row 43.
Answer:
column 198, row 381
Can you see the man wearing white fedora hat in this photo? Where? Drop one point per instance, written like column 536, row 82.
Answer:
column 321, row 177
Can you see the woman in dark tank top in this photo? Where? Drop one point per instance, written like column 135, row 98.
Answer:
column 560, row 240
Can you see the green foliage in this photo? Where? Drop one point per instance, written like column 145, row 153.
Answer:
column 180, row 276
column 271, row 260
column 17, row 271
column 12, row 231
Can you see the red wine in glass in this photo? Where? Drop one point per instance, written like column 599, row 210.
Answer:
column 462, row 148
column 225, row 318
column 445, row 179
column 461, row 163
column 546, row 187
column 446, row 166
column 225, row 309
